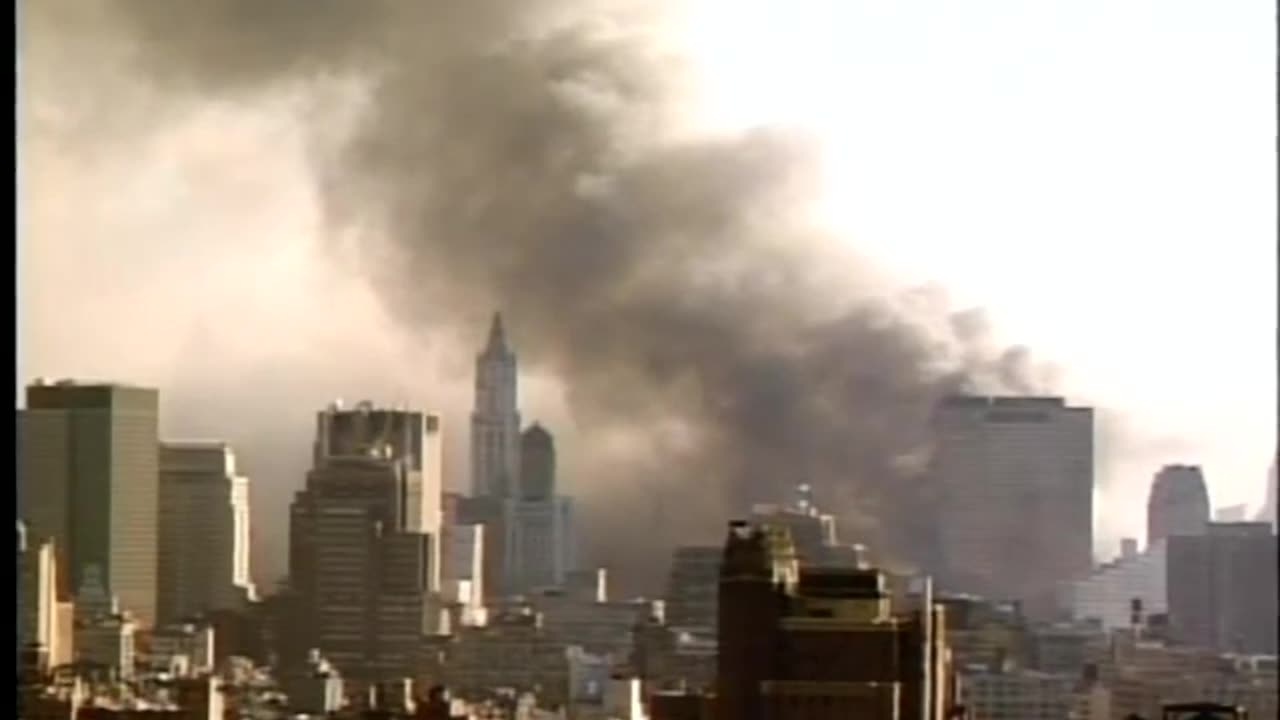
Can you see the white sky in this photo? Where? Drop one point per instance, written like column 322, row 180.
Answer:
column 1099, row 174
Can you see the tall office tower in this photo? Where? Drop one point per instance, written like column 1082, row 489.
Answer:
column 1178, row 504
column 822, row 641
column 364, row 539
column 1015, row 476
column 204, row 531
column 537, row 464
column 409, row 439
column 1221, row 588
column 540, row 543
column 87, row 479
column 495, row 420
column 540, row 534
column 693, row 587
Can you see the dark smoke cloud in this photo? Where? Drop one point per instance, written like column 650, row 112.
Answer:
column 715, row 345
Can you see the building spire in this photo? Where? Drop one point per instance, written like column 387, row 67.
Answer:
column 497, row 337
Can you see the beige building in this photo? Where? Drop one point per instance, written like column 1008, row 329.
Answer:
column 43, row 621
column 1016, row 478
column 87, row 479
column 204, row 531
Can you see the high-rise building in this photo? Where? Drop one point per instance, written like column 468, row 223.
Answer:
column 1178, row 504
column 365, row 540
column 540, row 534
column 204, row 531
column 411, row 439
column 822, row 642
column 537, row 464
column 87, row 479
column 495, row 419
column 1016, row 481
column 693, row 587
column 540, row 543
column 1222, row 588
column 492, row 514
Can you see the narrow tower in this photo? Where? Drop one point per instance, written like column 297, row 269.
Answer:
column 495, row 420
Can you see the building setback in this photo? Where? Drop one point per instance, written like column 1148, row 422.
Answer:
column 1016, row 481
column 87, row 479
column 204, row 531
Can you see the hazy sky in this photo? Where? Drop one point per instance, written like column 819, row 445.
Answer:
column 1098, row 174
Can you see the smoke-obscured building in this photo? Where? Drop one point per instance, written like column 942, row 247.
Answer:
column 495, row 419
column 204, row 531
column 1107, row 594
column 88, row 480
column 541, row 542
column 1222, row 588
column 693, row 587
column 1178, row 504
column 362, row 558
column 1016, row 481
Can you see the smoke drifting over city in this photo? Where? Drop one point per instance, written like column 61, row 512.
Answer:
column 533, row 157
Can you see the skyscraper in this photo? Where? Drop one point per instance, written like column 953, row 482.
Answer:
column 495, row 420
column 365, row 539
column 1178, row 504
column 1222, row 587
column 540, row 533
column 87, row 479
column 537, row 464
column 204, row 531
column 1016, row 482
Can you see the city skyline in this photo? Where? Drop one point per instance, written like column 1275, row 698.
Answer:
column 192, row 235
column 656, row 360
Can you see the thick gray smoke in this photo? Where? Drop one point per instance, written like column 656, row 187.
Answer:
column 715, row 345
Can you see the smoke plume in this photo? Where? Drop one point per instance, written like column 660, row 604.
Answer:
column 715, row 345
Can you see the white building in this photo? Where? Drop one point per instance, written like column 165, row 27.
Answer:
column 1016, row 477
column 204, row 531
column 1107, row 595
